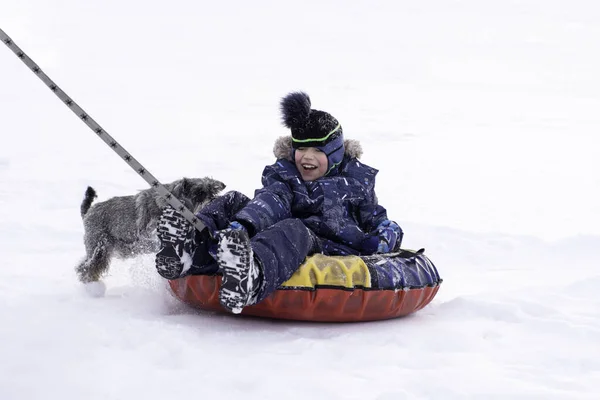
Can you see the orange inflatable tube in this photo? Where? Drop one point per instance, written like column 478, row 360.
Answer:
column 334, row 289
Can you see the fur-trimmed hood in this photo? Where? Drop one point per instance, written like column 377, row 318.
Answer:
column 283, row 148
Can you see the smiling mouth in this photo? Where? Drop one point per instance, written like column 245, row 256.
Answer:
column 308, row 167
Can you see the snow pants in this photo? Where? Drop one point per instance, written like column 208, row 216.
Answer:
column 280, row 249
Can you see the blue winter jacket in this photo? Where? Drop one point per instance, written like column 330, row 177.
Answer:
column 341, row 209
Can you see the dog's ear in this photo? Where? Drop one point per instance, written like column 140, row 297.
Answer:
column 179, row 187
column 186, row 185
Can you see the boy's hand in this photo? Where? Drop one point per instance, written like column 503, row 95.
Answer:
column 390, row 236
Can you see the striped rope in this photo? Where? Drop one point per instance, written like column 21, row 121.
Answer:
column 102, row 134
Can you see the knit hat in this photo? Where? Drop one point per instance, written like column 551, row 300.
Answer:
column 313, row 128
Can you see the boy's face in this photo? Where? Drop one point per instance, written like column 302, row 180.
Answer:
column 311, row 162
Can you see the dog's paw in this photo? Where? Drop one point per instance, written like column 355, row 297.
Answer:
column 95, row 289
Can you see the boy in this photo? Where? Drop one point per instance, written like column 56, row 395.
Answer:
column 317, row 197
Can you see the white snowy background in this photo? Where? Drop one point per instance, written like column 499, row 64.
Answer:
column 482, row 117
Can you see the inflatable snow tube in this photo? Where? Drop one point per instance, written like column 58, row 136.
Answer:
column 334, row 289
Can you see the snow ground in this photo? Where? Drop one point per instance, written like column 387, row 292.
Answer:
column 481, row 116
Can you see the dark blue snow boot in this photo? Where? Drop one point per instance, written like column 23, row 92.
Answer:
column 241, row 272
column 177, row 244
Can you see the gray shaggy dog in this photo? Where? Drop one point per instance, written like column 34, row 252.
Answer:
column 125, row 226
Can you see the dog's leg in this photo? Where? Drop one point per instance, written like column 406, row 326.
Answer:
column 143, row 202
column 94, row 266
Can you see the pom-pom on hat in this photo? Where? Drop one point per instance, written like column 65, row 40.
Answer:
column 313, row 128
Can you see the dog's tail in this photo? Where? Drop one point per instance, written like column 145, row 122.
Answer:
column 90, row 195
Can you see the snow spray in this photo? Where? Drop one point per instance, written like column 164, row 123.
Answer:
column 102, row 134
